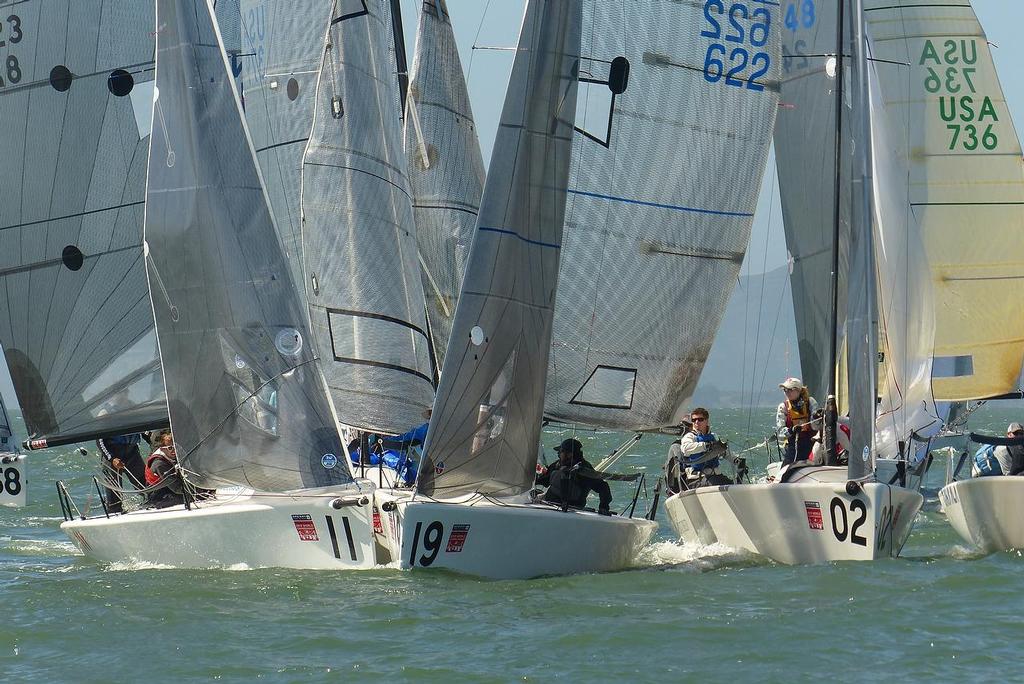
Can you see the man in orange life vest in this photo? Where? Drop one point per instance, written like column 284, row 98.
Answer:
column 793, row 421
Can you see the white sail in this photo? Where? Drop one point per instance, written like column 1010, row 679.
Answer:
column 486, row 423
column 283, row 46
column 75, row 320
column 7, row 443
column 362, row 278
column 446, row 170
column 246, row 402
column 906, row 314
column 966, row 187
column 668, row 156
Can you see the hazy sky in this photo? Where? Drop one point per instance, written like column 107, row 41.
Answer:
column 495, row 23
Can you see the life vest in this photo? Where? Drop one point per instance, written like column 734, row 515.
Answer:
column 799, row 413
column 160, row 454
column 985, row 461
column 695, row 461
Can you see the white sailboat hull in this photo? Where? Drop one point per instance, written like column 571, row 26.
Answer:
column 987, row 512
column 248, row 530
column 812, row 520
column 501, row 540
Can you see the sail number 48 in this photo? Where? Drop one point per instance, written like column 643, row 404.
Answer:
column 841, row 523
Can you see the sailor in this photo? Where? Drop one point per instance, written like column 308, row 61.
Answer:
column 700, row 452
column 120, row 454
column 572, row 478
column 161, row 469
column 842, row 435
column 793, row 420
column 1008, row 458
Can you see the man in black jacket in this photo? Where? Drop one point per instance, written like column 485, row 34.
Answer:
column 572, row 478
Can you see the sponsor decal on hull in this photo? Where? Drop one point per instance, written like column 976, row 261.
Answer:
column 305, row 527
column 457, row 538
column 814, row 519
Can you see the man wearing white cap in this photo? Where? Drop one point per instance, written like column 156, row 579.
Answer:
column 793, row 420
column 1010, row 458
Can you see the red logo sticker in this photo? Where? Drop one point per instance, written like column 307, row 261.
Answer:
column 814, row 519
column 457, row 538
column 378, row 528
column 305, row 527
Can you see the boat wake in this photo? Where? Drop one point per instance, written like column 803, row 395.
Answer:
column 673, row 555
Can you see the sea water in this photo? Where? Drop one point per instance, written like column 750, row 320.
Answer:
column 685, row 613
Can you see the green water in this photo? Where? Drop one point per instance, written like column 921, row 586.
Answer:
column 686, row 613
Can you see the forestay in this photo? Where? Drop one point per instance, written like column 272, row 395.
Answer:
column 358, row 236
column 76, row 323
column 446, row 170
column 486, row 424
column 805, row 132
column 966, row 187
column 672, row 134
column 279, row 68
column 247, row 404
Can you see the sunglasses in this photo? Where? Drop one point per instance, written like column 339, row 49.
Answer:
column 698, row 419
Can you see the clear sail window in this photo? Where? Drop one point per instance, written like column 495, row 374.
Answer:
column 952, row 366
column 382, row 341
column 608, row 387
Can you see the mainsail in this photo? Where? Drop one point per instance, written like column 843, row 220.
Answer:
column 446, row 170
column 76, row 323
column 966, row 187
column 283, row 45
column 805, row 155
column 486, row 424
column 358, row 235
column 668, row 156
column 246, row 401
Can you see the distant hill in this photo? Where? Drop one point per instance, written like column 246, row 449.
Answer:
column 755, row 348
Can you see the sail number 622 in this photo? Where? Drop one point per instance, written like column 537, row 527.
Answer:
column 732, row 59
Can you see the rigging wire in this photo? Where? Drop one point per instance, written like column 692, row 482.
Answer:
column 476, row 38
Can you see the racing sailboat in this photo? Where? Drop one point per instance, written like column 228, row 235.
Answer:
column 583, row 188
column 826, row 512
column 247, row 403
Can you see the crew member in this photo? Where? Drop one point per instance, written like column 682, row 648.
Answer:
column 120, row 455
column 161, row 469
column 572, row 478
column 793, row 421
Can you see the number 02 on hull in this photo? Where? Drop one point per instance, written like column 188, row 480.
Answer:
column 798, row 523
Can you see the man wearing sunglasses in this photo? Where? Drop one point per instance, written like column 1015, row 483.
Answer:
column 701, row 452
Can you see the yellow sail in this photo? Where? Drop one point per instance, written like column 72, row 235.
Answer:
column 966, row 188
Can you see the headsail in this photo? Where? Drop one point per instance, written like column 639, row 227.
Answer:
column 486, row 424
column 805, row 131
column 965, row 171
column 358, row 236
column 668, row 156
column 77, row 326
column 446, row 170
column 283, row 46
column 247, row 404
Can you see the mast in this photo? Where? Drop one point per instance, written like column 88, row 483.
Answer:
column 862, row 334
column 830, row 415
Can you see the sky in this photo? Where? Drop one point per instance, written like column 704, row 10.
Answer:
column 483, row 24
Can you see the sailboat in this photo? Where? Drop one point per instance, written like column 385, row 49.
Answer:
column 826, row 513
column 966, row 172
column 584, row 187
column 249, row 410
